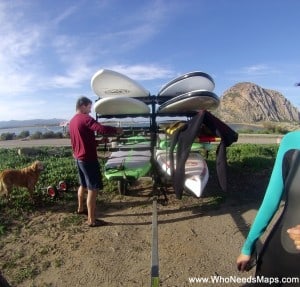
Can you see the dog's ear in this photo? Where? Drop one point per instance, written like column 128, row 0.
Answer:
column 38, row 165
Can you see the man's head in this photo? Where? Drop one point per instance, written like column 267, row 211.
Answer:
column 83, row 105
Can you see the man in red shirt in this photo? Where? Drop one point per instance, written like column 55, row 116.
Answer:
column 82, row 133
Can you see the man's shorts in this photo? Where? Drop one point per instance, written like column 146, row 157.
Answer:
column 89, row 174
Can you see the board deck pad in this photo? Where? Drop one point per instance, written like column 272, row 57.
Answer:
column 186, row 83
column 138, row 142
column 196, row 170
column 164, row 144
column 191, row 101
column 128, row 164
column 136, row 146
column 120, row 105
column 108, row 83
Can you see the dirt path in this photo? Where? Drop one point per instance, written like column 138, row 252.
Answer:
column 243, row 138
column 196, row 238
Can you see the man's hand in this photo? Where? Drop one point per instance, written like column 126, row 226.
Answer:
column 119, row 131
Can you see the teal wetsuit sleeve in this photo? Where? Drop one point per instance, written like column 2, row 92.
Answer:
column 273, row 193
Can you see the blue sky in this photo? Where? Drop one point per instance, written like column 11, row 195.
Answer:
column 49, row 50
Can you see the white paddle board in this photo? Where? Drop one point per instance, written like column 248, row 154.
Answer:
column 108, row 83
column 120, row 106
column 192, row 101
column 186, row 83
column 196, row 170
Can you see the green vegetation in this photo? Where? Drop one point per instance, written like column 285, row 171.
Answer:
column 233, row 95
column 59, row 166
column 251, row 157
column 246, row 157
column 269, row 128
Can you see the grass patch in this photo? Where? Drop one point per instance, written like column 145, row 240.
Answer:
column 73, row 220
column 28, row 272
column 59, row 166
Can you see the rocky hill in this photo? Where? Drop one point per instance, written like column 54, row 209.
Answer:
column 249, row 103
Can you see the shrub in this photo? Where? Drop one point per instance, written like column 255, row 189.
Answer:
column 8, row 136
column 24, row 134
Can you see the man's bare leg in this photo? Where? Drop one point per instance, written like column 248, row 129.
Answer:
column 91, row 205
column 80, row 194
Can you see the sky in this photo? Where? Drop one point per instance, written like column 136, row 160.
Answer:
column 49, row 50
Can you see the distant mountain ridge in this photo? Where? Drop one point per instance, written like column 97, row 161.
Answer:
column 30, row 123
column 245, row 103
column 249, row 103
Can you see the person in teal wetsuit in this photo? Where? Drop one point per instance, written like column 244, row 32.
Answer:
column 280, row 256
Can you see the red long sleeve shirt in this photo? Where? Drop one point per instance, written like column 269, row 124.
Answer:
column 82, row 133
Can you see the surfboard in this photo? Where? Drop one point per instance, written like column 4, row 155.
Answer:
column 191, row 101
column 129, row 146
column 196, row 171
column 132, row 160
column 186, row 83
column 165, row 144
column 108, row 83
column 129, row 165
column 120, row 105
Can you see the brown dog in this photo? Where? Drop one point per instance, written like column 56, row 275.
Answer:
column 25, row 177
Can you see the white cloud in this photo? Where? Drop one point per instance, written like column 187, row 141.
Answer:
column 18, row 45
column 143, row 72
column 258, row 70
column 254, row 70
column 73, row 78
column 65, row 14
column 46, row 63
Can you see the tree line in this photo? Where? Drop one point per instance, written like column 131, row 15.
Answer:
column 36, row 135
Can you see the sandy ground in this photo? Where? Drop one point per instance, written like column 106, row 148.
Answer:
column 197, row 238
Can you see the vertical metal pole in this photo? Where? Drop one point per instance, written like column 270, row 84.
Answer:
column 154, row 254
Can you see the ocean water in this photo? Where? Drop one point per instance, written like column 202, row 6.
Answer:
column 32, row 130
column 125, row 124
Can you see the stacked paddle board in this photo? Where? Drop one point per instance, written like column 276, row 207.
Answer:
column 133, row 142
column 121, row 96
column 129, row 165
column 117, row 94
column 196, row 170
column 190, row 92
column 131, row 161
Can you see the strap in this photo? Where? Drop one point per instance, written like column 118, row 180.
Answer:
column 175, row 126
